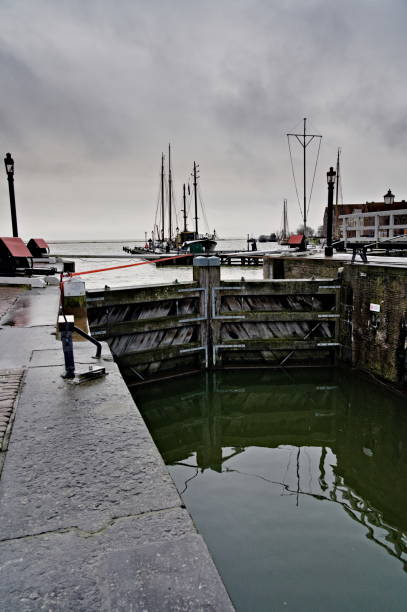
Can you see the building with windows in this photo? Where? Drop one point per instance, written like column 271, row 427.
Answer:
column 370, row 221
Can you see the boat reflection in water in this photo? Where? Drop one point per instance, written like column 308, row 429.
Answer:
column 272, row 465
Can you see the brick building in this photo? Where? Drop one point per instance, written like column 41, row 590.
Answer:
column 388, row 205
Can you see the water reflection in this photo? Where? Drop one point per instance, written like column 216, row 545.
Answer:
column 342, row 440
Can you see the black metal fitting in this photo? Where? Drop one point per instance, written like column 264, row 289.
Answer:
column 66, row 326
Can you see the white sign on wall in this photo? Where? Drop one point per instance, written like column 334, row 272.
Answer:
column 374, row 308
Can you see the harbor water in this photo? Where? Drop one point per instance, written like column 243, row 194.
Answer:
column 296, row 479
column 147, row 274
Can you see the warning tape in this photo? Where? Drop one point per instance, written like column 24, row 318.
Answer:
column 139, row 263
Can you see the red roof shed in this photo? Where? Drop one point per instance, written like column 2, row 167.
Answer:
column 38, row 247
column 297, row 240
column 40, row 242
column 15, row 247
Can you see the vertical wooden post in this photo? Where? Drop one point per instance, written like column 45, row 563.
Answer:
column 206, row 271
column 267, row 268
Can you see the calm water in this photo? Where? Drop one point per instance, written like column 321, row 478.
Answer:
column 145, row 274
column 296, row 480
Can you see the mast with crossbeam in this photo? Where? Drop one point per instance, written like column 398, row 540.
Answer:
column 304, row 139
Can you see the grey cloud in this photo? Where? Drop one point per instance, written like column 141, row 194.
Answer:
column 95, row 90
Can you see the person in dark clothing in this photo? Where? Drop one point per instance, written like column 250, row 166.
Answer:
column 359, row 251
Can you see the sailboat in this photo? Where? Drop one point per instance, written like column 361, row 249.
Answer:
column 285, row 231
column 186, row 241
column 164, row 237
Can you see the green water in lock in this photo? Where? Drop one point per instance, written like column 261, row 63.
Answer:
column 297, row 481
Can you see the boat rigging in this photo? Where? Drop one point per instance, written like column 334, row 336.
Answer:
column 170, row 241
column 285, row 231
column 305, row 140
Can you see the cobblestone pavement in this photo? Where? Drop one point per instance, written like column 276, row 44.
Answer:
column 10, row 381
column 8, row 296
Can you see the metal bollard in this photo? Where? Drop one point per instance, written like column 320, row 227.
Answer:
column 66, row 327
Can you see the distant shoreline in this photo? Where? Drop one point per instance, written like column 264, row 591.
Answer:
column 119, row 240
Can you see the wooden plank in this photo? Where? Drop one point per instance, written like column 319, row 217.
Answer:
column 158, row 354
column 135, row 295
column 142, row 325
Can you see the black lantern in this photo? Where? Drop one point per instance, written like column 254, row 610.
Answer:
column 331, row 176
column 388, row 198
column 9, row 163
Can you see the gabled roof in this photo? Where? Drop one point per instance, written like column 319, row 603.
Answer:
column 296, row 239
column 16, row 247
column 347, row 209
column 40, row 242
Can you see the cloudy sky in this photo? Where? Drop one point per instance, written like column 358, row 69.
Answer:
column 92, row 92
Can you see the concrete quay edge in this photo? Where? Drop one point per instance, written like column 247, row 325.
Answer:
column 91, row 519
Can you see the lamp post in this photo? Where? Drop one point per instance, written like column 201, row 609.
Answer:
column 9, row 164
column 330, row 177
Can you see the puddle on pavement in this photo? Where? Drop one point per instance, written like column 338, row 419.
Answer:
column 32, row 308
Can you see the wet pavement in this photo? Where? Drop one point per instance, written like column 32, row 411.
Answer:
column 27, row 324
column 91, row 519
column 8, row 296
column 33, row 308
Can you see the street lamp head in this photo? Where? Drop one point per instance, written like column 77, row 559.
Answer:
column 331, row 176
column 388, row 197
column 9, row 163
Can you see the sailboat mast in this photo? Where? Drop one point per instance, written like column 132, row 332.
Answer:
column 285, row 220
column 196, row 202
column 169, row 194
column 305, row 180
column 184, row 210
column 162, row 197
column 338, row 176
column 304, row 139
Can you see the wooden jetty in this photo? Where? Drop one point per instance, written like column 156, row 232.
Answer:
column 243, row 258
column 227, row 258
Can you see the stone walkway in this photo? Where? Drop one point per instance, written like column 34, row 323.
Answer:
column 91, row 520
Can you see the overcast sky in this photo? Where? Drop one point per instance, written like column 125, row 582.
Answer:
column 92, row 92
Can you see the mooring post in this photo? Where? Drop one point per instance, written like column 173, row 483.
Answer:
column 206, row 271
column 74, row 301
column 65, row 327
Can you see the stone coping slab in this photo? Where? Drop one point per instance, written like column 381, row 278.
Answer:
column 79, row 456
column 91, row 519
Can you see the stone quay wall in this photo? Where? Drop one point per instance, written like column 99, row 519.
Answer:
column 372, row 308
